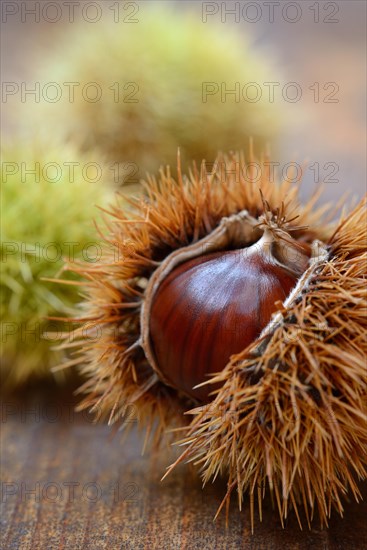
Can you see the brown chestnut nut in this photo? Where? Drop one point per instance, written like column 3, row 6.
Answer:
column 216, row 304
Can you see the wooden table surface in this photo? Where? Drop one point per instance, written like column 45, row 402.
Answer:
column 68, row 483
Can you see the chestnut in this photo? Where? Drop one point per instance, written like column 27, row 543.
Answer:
column 216, row 304
column 240, row 301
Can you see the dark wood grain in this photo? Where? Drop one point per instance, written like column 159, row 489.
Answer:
column 47, row 447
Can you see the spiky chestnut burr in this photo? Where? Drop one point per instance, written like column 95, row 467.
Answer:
column 149, row 74
column 289, row 409
column 46, row 219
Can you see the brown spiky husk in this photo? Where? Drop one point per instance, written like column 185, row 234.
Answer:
column 293, row 416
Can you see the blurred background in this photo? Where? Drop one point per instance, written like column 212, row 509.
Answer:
column 319, row 45
column 112, row 89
